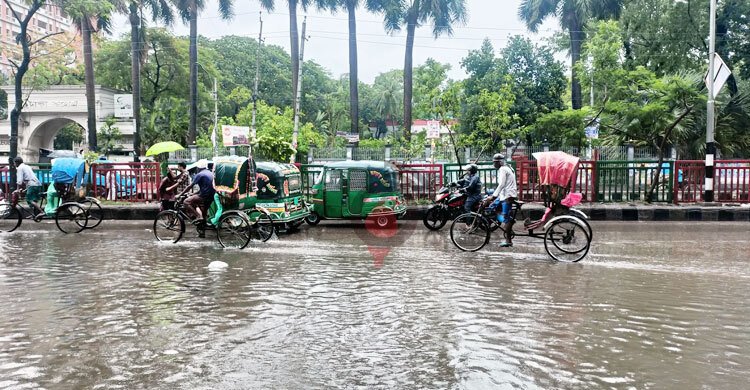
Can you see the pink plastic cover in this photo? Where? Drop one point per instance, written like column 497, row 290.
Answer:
column 555, row 167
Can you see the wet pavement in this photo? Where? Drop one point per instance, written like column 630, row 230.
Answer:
column 654, row 305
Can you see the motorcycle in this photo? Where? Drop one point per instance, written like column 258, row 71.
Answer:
column 449, row 203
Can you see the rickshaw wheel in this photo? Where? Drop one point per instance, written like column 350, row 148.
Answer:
column 71, row 218
column 168, row 226
column 10, row 217
column 233, row 230
column 470, row 232
column 385, row 221
column 567, row 240
column 94, row 212
column 312, row 219
column 261, row 225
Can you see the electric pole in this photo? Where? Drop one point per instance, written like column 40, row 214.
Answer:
column 298, row 98
column 255, row 90
column 216, row 116
column 708, row 196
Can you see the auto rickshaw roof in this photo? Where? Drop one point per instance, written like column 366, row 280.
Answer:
column 278, row 169
column 230, row 172
column 362, row 164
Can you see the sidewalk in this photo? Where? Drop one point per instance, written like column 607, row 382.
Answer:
column 595, row 211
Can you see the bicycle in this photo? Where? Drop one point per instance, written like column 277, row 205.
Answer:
column 567, row 237
column 235, row 228
column 70, row 217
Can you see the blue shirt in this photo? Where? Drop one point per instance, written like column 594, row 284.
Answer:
column 205, row 181
column 472, row 184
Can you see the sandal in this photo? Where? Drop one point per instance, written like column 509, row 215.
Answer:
column 506, row 244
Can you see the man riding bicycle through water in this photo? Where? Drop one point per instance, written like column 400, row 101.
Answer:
column 505, row 194
column 472, row 185
column 27, row 180
column 197, row 205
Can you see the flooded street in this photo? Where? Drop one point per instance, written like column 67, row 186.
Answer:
column 654, row 305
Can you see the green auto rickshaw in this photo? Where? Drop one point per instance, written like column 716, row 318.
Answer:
column 357, row 190
column 280, row 192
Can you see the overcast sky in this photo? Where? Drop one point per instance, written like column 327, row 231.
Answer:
column 378, row 51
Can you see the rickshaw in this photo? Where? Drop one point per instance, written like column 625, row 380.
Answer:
column 65, row 200
column 280, row 193
column 357, row 190
column 566, row 233
column 233, row 214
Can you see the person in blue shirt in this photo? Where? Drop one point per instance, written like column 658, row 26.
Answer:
column 472, row 185
column 197, row 204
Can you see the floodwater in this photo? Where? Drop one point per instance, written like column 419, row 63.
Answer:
column 655, row 305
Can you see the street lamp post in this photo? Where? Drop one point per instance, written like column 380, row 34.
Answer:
column 216, row 109
column 708, row 196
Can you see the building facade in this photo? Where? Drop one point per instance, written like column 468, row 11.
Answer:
column 49, row 19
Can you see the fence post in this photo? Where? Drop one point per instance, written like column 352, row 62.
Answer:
column 349, row 151
column 545, row 146
column 193, row 152
column 388, row 152
column 232, row 150
column 467, row 154
column 310, row 153
column 508, row 152
column 672, row 152
column 631, row 152
column 427, row 152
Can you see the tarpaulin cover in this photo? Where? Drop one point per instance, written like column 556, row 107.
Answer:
column 69, row 170
column 555, row 167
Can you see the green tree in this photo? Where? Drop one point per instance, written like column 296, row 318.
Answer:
column 429, row 79
column 188, row 10
column 410, row 14
column 83, row 12
column 573, row 15
column 388, row 99
column 70, row 134
column 159, row 10
column 110, row 137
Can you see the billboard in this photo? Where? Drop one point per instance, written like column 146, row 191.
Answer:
column 235, row 135
column 123, row 106
column 433, row 129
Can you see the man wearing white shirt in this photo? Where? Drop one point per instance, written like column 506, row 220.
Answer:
column 506, row 193
column 27, row 180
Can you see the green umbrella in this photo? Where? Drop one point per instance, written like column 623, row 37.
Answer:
column 163, row 147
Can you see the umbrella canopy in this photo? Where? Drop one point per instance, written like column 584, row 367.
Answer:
column 556, row 167
column 68, row 170
column 163, row 147
column 62, row 153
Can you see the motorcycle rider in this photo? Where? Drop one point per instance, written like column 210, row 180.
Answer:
column 505, row 194
column 472, row 185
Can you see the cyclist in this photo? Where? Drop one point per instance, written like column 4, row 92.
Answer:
column 28, row 181
column 169, row 185
column 197, row 205
column 505, row 194
column 472, row 185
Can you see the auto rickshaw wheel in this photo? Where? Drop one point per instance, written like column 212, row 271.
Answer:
column 385, row 221
column 312, row 219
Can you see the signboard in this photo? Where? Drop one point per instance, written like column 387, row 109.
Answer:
column 235, row 135
column 124, row 106
column 352, row 137
column 721, row 74
column 592, row 131
column 433, row 129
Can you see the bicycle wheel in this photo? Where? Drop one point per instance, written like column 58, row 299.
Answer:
column 261, row 225
column 168, row 226
column 233, row 230
column 470, row 232
column 71, row 218
column 10, row 217
column 93, row 210
column 584, row 218
column 567, row 240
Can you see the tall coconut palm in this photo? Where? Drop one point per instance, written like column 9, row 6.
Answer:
column 293, row 34
column 351, row 7
column 189, row 10
column 84, row 13
column 158, row 10
column 387, row 101
column 573, row 15
column 442, row 14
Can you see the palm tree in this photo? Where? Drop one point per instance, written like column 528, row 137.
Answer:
column 388, row 101
column 293, row 34
column 351, row 7
column 573, row 16
column 159, row 10
column 441, row 14
column 83, row 12
column 189, row 10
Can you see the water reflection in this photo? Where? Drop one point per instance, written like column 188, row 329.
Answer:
column 115, row 309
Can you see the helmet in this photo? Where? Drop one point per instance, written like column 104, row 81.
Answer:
column 471, row 168
column 18, row 160
column 498, row 157
column 202, row 164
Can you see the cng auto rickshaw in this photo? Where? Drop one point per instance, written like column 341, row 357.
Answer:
column 357, row 190
column 280, row 193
